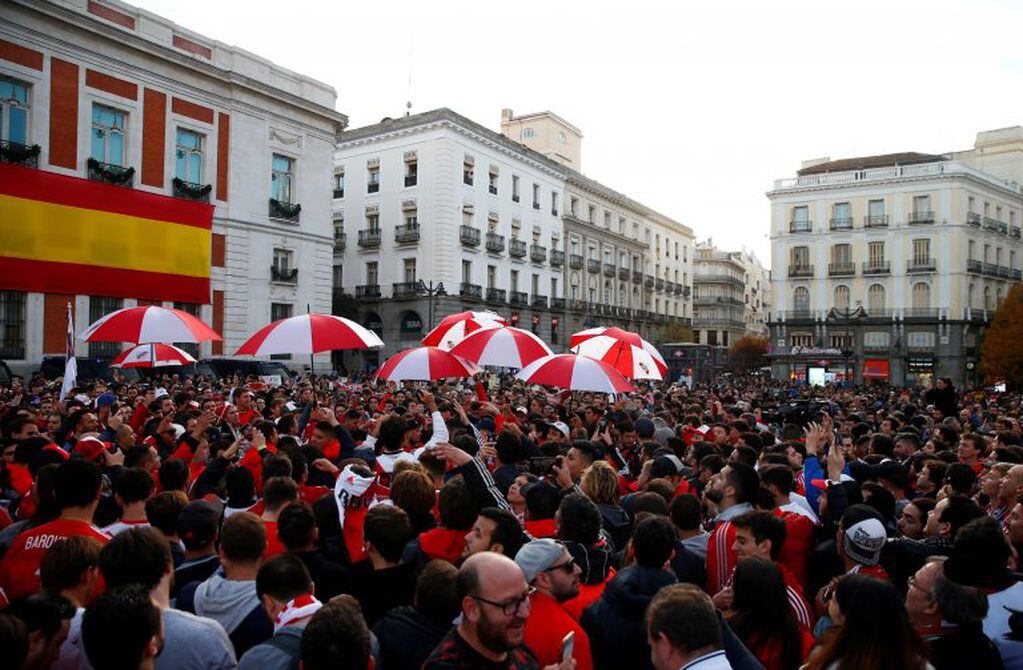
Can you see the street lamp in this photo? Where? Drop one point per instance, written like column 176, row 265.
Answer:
column 430, row 291
column 846, row 317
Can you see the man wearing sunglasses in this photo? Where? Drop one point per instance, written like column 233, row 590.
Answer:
column 551, row 570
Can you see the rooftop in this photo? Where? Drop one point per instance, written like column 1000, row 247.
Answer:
column 869, row 162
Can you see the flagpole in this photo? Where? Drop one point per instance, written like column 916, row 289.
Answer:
column 70, row 364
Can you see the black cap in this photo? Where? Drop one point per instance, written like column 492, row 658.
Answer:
column 197, row 523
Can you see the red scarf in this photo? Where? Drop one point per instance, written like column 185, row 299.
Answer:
column 299, row 607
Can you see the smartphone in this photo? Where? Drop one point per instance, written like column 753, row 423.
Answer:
column 567, row 646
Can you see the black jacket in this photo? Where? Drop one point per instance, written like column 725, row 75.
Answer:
column 617, row 523
column 965, row 649
column 407, row 638
column 614, row 623
column 330, row 578
column 380, row 591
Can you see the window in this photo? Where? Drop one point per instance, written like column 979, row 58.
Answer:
column 514, row 284
column 876, row 339
column 195, row 310
column 339, row 184
column 372, row 273
column 920, row 340
column 515, row 188
column 554, row 203
column 842, row 212
column 801, row 218
column 188, row 156
column 13, row 111
column 409, row 270
column 921, row 295
column 971, row 204
column 801, row 340
column 875, row 208
column 411, row 171
column 98, row 308
column 971, row 250
column 607, row 221
column 801, row 299
column 373, row 179
column 573, row 206
column 842, row 341
column 491, row 276
column 466, row 272
column 526, row 134
column 536, row 196
column 554, row 287
column 373, row 222
column 841, row 254
column 800, row 257
column 875, row 253
column 592, row 214
column 282, row 259
column 875, row 299
column 108, row 130
column 337, row 277
column 534, row 285
column 492, row 180
column 987, row 298
column 842, row 297
column 921, row 204
column 468, row 171
column 12, row 324
column 278, row 311
column 412, row 218
column 282, row 179
column 921, row 251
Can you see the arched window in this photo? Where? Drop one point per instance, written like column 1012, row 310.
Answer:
column 842, row 297
column 875, row 299
column 921, row 295
column 987, row 297
column 972, row 296
column 607, row 293
column 801, row 299
column 622, row 295
column 998, row 298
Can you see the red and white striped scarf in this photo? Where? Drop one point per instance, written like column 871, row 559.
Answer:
column 299, row 607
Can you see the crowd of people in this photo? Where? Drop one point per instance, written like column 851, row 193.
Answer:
column 186, row 523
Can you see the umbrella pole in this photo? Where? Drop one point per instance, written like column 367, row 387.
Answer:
column 312, row 364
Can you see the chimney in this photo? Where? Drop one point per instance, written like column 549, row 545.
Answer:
column 506, row 114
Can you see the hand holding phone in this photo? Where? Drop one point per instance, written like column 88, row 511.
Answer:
column 567, row 647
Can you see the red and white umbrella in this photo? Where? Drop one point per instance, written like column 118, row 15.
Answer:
column 504, row 347
column 576, row 373
column 632, row 361
column 149, row 324
column 622, row 335
column 424, row 364
column 309, row 334
column 453, row 329
column 153, row 355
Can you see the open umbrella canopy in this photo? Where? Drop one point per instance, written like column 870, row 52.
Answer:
column 309, row 334
column 453, row 329
column 424, row 364
column 148, row 324
column 625, row 336
column 632, row 361
column 575, row 373
column 152, row 355
column 504, row 347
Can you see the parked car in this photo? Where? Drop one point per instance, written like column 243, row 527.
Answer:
column 243, row 367
column 88, row 369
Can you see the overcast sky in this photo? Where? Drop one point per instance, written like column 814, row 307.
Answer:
column 691, row 108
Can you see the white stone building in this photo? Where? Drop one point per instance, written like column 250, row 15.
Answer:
column 183, row 107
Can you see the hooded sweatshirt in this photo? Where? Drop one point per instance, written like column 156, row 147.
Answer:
column 615, row 622
column 407, row 637
column 231, row 603
column 617, row 523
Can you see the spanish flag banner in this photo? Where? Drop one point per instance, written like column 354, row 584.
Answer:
column 61, row 234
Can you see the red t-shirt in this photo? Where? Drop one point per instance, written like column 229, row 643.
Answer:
column 798, row 543
column 547, row 625
column 19, row 571
column 274, row 546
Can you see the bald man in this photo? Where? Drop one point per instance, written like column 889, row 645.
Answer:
column 495, row 605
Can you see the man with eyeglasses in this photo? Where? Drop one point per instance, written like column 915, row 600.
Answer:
column 550, row 569
column 495, row 601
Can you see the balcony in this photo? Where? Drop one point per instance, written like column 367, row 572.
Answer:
column 973, row 219
column 1016, row 275
column 974, row 266
column 637, row 277
column 411, row 180
column 515, row 197
column 623, row 273
column 492, row 188
column 1003, row 228
column 19, row 154
column 648, row 281
column 470, row 291
column 518, row 298
column 991, row 224
column 841, row 223
column 877, row 267
column 920, row 217
column 517, row 248
column 577, row 305
column 796, row 314
column 469, row 236
column 687, row 291
column 496, row 295
column 575, row 261
column 716, row 300
column 369, row 238
column 920, row 313
column 659, row 284
column 800, row 226
column 536, row 205
column 875, row 221
column 1014, row 232
column 406, row 233
column 844, row 269
column 537, row 253
column 495, row 243
column 373, row 187
column 669, row 287
column 557, row 258
column 593, row 265
column 1003, row 272
column 367, row 291
column 109, row 173
column 538, row 301
column 557, row 303
column 340, row 242
column 609, row 269
column 283, row 275
column 921, row 265
column 990, row 269
column 339, row 193
column 800, row 271
column 403, row 290
column 187, row 190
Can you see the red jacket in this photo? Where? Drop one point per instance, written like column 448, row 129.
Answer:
column 588, row 594
column 540, row 528
column 19, row 571
column 546, row 627
column 721, row 557
column 798, row 543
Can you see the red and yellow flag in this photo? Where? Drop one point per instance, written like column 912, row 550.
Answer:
column 61, row 234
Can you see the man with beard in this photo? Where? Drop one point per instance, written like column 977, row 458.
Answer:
column 495, row 602
column 732, row 492
column 550, row 569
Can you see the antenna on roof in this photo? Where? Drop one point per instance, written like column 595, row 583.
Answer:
column 408, row 91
